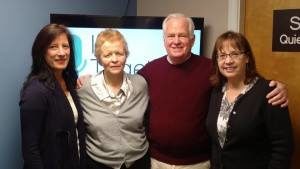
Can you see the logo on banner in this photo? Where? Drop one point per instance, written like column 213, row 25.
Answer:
column 286, row 30
column 79, row 60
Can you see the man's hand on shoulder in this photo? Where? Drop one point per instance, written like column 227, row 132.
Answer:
column 279, row 95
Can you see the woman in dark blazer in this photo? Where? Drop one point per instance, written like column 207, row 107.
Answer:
column 246, row 131
column 51, row 117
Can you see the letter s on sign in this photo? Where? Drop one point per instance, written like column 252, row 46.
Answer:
column 295, row 23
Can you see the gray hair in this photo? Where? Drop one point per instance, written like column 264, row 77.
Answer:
column 189, row 20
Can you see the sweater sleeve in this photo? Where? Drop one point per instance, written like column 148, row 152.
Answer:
column 280, row 134
column 33, row 107
column 143, row 72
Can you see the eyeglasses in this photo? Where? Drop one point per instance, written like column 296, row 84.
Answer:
column 232, row 55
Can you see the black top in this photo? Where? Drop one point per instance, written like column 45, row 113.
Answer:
column 49, row 139
column 259, row 135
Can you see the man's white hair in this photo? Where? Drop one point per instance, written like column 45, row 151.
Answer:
column 189, row 20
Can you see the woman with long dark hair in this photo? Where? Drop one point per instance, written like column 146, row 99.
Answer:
column 51, row 116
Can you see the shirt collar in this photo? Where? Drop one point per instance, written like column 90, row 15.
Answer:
column 246, row 89
column 172, row 63
column 99, row 86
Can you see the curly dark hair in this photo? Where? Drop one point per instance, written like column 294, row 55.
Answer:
column 40, row 69
column 238, row 41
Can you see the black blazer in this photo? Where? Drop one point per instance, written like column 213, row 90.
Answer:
column 259, row 135
column 49, row 139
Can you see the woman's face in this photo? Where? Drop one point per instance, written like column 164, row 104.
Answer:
column 232, row 62
column 113, row 57
column 58, row 53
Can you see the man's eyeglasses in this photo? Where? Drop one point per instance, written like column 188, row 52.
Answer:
column 232, row 55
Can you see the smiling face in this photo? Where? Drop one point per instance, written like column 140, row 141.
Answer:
column 58, row 54
column 232, row 58
column 177, row 39
column 112, row 57
column 232, row 62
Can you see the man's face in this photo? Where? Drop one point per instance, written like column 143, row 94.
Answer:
column 177, row 40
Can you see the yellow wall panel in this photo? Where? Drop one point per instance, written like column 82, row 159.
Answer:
column 283, row 66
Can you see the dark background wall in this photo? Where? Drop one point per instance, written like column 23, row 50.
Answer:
column 20, row 21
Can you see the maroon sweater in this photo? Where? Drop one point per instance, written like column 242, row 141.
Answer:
column 179, row 98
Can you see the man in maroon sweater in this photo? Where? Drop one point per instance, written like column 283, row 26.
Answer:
column 179, row 90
